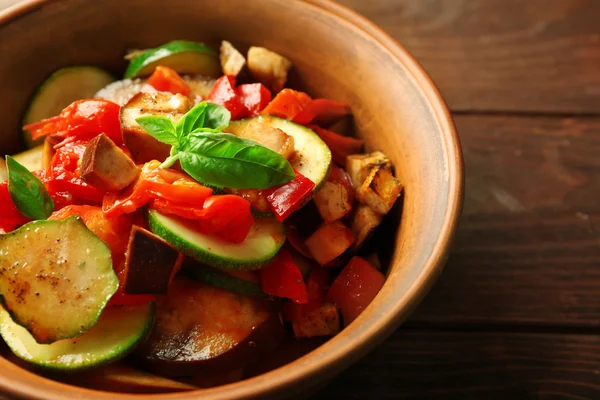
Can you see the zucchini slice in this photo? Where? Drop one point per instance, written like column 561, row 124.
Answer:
column 116, row 334
column 262, row 244
column 61, row 89
column 312, row 158
column 55, row 278
column 183, row 56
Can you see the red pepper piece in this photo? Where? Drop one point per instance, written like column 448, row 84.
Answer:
column 355, row 287
column 282, row 278
column 228, row 217
column 340, row 146
column 317, row 286
column 165, row 79
column 327, row 111
column 10, row 217
column 82, row 120
column 287, row 198
column 292, row 105
column 255, row 97
column 224, row 93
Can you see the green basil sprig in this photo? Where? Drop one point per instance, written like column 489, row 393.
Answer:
column 27, row 192
column 215, row 158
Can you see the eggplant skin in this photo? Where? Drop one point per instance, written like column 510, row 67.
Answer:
column 227, row 331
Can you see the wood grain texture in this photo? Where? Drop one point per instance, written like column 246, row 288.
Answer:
column 480, row 365
column 527, row 249
column 501, row 55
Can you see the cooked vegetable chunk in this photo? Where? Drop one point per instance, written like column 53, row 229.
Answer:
column 364, row 223
column 118, row 331
column 144, row 147
column 329, row 241
column 106, row 166
column 333, row 201
column 225, row 330
column 31, row 159
column 150, row 263
column 241, row 282
column 379, row 191
column 359, row 166
column 55, row 278
column 355, row 287
column 323, row 320
column 232, row 61
column 269, row 136
column 269, row 67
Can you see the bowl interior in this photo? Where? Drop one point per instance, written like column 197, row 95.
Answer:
column 396, row 110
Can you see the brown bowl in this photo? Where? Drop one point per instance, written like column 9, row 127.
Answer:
column 338, row 54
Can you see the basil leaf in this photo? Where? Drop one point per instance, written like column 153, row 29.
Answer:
column 217, row 117
column 225, row 160
column 159, row 127
column 203, row 117
column 27, row 192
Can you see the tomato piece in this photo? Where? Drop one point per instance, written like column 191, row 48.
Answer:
column 10, row 217
column 227, row 217
column 287, row 198
column 292, row 105
column 224, row 93
column 282, row 278
column 340, row 146
column 355, row 287
column 82, row 119
column 317, row 287
column 255, row 97
column 328, row 111
column 165, row 79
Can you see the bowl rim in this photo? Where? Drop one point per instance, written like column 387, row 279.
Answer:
column 275, row 382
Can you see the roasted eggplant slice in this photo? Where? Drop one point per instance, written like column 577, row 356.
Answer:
column 106, row 166
column 333, row 201
column 199, row 326
column 144, row 147
column 150, row 263
column 269, row 67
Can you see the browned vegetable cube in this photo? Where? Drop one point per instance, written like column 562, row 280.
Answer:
column 269, row 67
column 232, row 61
column 329, row 242
column 380, row 190
column 106, row 166
column 333, row 201
column 359, row 166
column 272, row 138
column 364, row 223
column 144, row 147
column 322, row 321
column 150, row 263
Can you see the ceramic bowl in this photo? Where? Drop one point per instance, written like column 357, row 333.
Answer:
column 337, row 54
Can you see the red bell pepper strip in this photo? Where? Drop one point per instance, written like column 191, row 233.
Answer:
column 10, row 217
column 255, row 97
column 287, row 198
column 282, row 278
column 355, row 287
column 165, row 79
column 340, row 146
column 224, row 93
column 227, row 217
column 291, row 104
column 157, row 183
column 82, row 120
column 326, row 111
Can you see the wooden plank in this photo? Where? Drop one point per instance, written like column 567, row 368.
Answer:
column 501, row 55
column 474, row 365
column 527, row 250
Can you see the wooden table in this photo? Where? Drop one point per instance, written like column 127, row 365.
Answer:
column 516, row 314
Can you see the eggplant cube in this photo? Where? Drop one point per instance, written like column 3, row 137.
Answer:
column 359, row 166
column 150, row 263
column 380, row 190
column 270, row 137
column 106, row 166
column 268, row 67
column 364, row 223
column 322, row 321
column 333, row 201
column 232, row 61
column 329, row 242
